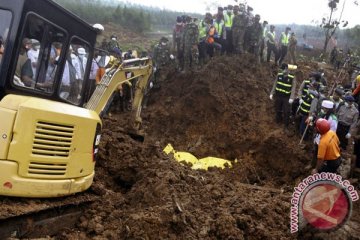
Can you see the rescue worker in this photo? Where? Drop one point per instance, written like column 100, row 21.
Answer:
column 271, row 43
column 283, row 43
column 220, row 33
column 161, row 58
column 328, row 156
column 263, row 40
column 228, row 21
column 250, row 20
column 178, row 30
column 284, row 91
column 204, row 27
column 356, row 92
column 326, row 112
column 308, row 106
column 238, row 30
column 292, row 48
column 255, row 36
column 190, row 44
column 337, row 98
column 113, row 44
column 348, row 116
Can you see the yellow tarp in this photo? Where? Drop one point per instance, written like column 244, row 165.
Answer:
column 203, row 163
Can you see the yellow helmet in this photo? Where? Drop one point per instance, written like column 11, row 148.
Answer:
column 358, row 78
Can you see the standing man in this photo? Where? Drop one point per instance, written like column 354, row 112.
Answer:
column 162, row 58
column 283, row 43
column 284, row 90
column 228, row 18
column 190, row 42
column 177, row 38
column 328, row 156
column 348, row 116
column 255, row 36
column 204, row 27
column 220, row 33
column 238, row 30
column 271, row 43
column 292, row 48
column 263, row 40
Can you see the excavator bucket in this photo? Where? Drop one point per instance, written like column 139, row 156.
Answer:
column 203, row 163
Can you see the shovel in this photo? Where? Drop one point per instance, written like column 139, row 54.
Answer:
column 303, row 136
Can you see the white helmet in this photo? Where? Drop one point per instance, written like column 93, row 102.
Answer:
column 327, row 104
column 98, row 27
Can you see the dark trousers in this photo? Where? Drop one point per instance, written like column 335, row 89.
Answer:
column 262, row 47
column 222, row 43
column 271, row 48
column 202, row 51
column 282, row 108
column 341, row 132
column 229, row 44
column 282, row 54
column 330, row 166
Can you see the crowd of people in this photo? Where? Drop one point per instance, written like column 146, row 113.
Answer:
column 327, row 117
column 232, row 30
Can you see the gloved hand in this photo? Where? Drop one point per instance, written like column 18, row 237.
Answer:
column 291, row 101
column 172, row 57
column 301, row 101
column 271, row 97
column 348, row 135
column 151, row 85
column 309, row 120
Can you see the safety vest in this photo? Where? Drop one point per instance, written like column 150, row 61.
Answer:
column 284, row 39
column 284, row 85
column 273, row 35
column 228, row 20
column 202, row 30
column 219, row 27
column 306, row 104
column 305, row 89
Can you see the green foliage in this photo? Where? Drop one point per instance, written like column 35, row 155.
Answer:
column 134, row 17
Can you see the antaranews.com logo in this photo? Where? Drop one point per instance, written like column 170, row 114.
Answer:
column 323, row 200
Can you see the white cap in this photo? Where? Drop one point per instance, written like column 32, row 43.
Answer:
column 98, row 27
column 327, row 104
column 81, row 51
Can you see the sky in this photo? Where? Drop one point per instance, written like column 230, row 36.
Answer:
column 274, row 11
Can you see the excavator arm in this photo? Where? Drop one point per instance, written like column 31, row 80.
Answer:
column 118, row 74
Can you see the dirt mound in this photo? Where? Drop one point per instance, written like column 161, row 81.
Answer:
column 223, row 111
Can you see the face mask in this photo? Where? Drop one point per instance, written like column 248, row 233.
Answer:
column 37, row 47
column 113, row 39
column 163, row 43
column 322, row 111
column 347, row 105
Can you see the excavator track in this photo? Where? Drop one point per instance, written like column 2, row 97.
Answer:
column 33, row 218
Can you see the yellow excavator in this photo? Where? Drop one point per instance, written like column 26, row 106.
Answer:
column 49, row 131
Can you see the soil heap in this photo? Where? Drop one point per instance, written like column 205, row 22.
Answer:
column 224, row 111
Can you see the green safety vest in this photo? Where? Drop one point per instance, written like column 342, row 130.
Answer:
column 305, row 89
column 272, row 34
column 284, row 39
column 306, row 104
column 284, row 85
column 229, row 20
column 219, row 27
column 202, row 29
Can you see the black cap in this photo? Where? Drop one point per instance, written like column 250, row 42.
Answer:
column 220, row 9
column 179, row 19
column 164, row 39
column 284, row 66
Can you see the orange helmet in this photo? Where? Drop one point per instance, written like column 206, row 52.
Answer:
column 322, row 126
column 210, row 40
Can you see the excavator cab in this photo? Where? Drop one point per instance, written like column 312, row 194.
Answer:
column 48, row 137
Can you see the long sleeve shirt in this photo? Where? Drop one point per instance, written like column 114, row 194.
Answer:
column 348, row 116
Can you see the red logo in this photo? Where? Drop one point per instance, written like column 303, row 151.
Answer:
column 326, row 206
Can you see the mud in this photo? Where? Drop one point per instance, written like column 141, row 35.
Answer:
column 222, row 110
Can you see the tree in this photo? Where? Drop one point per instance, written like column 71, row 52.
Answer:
column 331, row 24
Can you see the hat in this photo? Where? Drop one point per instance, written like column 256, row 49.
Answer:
column 179, row 19
column 81, row 51
column 339, row 91
column 288, row 28
column 220, row 9
column 349, row 98
column 164, row 39
column 284, row 66
column 327, row 104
